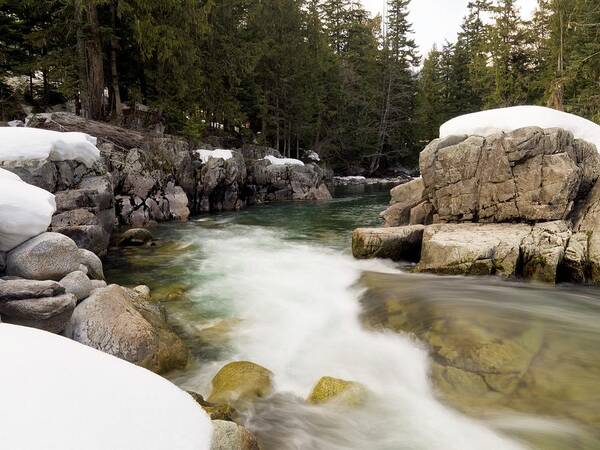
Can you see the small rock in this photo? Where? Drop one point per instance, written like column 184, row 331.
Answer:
column 78, row 284
column 241, row 381
column 231, row 436
column 345, row 392
column 93, row 264
column 21, row 289
column 49, row 313
column 135, row 237
column 48, row 256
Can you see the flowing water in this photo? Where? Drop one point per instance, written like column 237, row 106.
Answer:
column 450, row 363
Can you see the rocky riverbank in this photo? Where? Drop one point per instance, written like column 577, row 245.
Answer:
column 520, row 204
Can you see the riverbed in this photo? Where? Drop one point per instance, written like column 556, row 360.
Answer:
column 450, row 362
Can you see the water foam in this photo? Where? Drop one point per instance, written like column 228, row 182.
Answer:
column 299, row 308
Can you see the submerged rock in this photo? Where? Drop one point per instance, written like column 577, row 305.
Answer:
column 241, row 382
column 135, row 237
column 122, row 323
column 348, row 393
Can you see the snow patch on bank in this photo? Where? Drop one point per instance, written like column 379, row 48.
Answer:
column 62, row 395
column 205, row 155
column 25, row 210
column 283, row 161
column 19, row 144
column 486, row 123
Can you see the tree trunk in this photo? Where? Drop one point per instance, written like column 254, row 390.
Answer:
column 114, row 46
column 91, row 71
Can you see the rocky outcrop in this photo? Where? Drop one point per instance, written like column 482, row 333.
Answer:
column 521, row 204
column 529, row 175
column 124, row 323
column 221, row 184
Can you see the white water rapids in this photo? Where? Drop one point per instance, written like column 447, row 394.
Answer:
column 299, row 312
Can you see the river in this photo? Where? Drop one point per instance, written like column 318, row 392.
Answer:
column 451, row 363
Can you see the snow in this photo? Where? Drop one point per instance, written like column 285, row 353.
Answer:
column 205, row 155
column 283, row 161
column 19, row 144
column 25, row 210
column 486, row 123
column 61, row 395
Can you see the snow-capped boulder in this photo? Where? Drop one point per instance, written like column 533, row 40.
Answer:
column 49, row 256
column 25, row 210
column 19, row 144
column 527, row 175
column 487, row 123
column 283, row 161
column 219, row 153
column 80, row 398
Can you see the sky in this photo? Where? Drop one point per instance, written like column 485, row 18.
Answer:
column 435, row 21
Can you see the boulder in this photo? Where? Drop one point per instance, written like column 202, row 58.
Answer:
column 122, row 323
column 404, row 198
column 47, row 313
column 231, row 436
column 575, row 262
column 422, row 214
column 78, row 284
column 241, row 382
column 48, row 256
column 397, row 243
column 135, row 237
column 472, row 249
column 528, row 175
column 20, row 289
column 348, row 393
column 92, row 263
column 98, row 284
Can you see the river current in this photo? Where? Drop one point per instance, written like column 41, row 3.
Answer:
column 451, row 363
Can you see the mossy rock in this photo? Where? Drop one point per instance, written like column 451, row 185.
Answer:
column 241, row 382
column 215, row 411
column 348, row 393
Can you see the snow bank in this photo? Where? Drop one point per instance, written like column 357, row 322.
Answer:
column 205, row 155
column 25, row 210
column 486, row 123
column 61, row 395
column 283, row 161
column 26, row 144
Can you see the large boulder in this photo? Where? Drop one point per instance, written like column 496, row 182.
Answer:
column 231, row 436
column 398, row 243
column 241, row 382
column 46, row 313
column 123, row 323
column 528, row 175
column 48, row 256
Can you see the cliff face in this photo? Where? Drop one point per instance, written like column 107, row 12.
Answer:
column 520, row 204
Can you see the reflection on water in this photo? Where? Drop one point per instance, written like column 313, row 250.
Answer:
column 276, row 285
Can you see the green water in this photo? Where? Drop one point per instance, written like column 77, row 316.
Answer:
column 452, row 362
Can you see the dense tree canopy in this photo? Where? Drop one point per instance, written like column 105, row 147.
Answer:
column 294, row 74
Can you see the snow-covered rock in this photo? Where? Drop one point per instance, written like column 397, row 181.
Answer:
column 76, row 397
column 19, row 144
column 205, row 155
column 313, row 156
column 487, row 123
column 283, row 161
column 25, row 210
